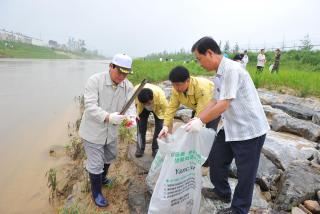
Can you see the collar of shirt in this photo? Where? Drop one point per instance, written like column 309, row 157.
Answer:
column 109, row 82
column 221, row 67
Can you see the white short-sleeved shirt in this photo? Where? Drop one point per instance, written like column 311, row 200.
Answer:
column 245, row 118
column 261, row 60
column 245, row 60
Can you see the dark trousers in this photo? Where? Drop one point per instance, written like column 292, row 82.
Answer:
column 260, row 69
column 142, row 126
column 247, row 156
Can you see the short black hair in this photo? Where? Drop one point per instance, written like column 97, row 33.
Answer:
column 205, row 43
column 145, row 95
column 179, row 74
column 237, row 57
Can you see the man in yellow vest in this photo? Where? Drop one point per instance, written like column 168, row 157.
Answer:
column 193, row 92
column 150, row 99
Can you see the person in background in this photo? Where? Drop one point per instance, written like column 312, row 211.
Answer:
column 244, row 127
column 261, row 61
column 151, row 99
column 245, row 59
column 105, row 95
column 276, row 64
column 238, row 58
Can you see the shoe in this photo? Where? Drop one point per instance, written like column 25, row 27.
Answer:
column 139, row 153
column 226, row 211
column 210, row 193
column 96, row 184
column 154, row 152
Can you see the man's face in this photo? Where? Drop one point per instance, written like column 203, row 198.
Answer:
column 181, row 86
column 149, row 103
column 207, row 60
column 116, row 75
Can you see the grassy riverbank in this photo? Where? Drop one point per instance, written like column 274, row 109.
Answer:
column 299, row 71
column 22, row 50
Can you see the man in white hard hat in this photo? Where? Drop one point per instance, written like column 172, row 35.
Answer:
column 104, row 97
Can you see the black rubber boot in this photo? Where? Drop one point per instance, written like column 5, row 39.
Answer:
column 96, row 184
column 105, row 180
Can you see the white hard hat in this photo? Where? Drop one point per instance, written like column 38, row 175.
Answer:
column 124, row 62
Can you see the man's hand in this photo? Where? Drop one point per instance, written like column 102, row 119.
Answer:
column 194, row 125
column 164, row 132
column 116, row 118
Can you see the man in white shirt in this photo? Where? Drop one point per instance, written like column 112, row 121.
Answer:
column 261, row 61
column 244, row 127
column 104, row 97
column 245, row 59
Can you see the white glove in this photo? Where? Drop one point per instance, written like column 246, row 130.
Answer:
column 194, row 125
column 116, row 118
column 164, row 132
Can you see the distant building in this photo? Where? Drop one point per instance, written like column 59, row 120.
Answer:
column 76, row 45
column 53, row 44
column 38, row 42
column 19, row 37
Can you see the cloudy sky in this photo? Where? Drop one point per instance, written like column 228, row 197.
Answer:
column 140, row 27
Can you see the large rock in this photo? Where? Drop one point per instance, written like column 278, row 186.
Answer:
column 299, row 183
column 210, row 207
column 138, row 197
column 270, row 112
column 313, row 206
column 296, row 111
column 184, row 115
column 297, row 210
column 271, row 97
column 268, row 97
column 145, row 161
column 286, row 123
column 167, row 88
column 316, row 118
column 278, row 144
column 267, row 175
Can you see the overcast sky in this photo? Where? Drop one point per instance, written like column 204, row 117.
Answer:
column 140, row 27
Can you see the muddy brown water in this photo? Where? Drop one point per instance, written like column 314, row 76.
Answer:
column 37, row 102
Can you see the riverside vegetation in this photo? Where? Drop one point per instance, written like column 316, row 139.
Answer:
column 10, row 49
column 299, row 70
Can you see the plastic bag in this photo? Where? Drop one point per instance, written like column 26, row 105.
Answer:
column 271, row 67
column 176, row 172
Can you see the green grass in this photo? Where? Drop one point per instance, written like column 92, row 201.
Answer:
column 156, row 71
column 23, row 50
column 292, row 74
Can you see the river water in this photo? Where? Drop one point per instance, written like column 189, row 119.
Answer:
column 37, row 103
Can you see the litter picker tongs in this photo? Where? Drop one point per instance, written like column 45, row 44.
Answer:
column 130, row 101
